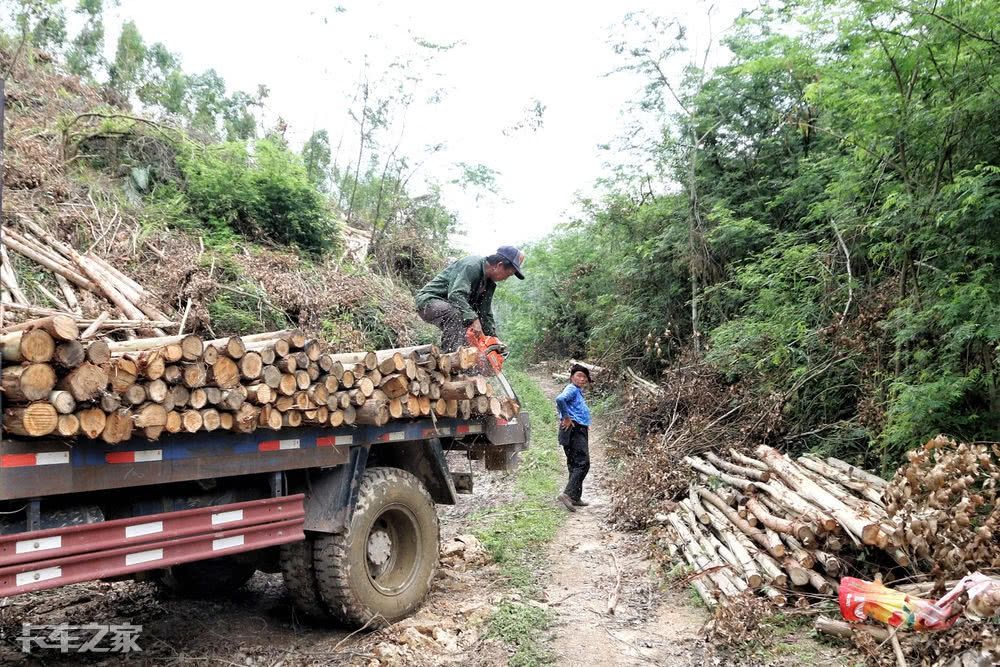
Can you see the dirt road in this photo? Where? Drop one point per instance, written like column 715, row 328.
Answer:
column 593, row 567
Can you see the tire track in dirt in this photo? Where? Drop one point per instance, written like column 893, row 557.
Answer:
column 588, row 562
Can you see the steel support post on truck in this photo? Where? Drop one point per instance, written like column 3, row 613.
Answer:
column 346, row 514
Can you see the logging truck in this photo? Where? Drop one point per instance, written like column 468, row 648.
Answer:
column 345, row 512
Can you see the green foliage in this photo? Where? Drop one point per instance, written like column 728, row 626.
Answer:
column 85, row 55
column 316, row 158
column 130, row 58
column 521, row 625
column 840, row 183
column 265, row 195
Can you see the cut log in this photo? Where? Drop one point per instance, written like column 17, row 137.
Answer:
column 267, row 356
column 373, row 412
column 857, row 473
column 62, row 401
column 287, row 364
column 92, row 421
column 35, row 420
column 150, row 364
column 150, row 414
column 195, row 375
column 785, row 468
column 210, row 419
column 271, row 376
column 224, row 374
column 180, row 395
column 232, row 400
column 302, row 380
column 198, row 399
column 458, row 390
column 291, row 419
column 260, row 394
column 157, row 391
column 210, row 355
column 117, row 427
column 191, row 421
column 31, row 382
column 234, row 348
column 122, row 374
column 98, row 352
column 134, row 395
column 68, row 425
column 192, row 347
column 777, row 551
column 245, row 419
column 173, row 353
column 35, row 346
column 226, row 421
column 69, row 354
column 741, row 471
column 845, row 630
column 251, row 365
column 85, row 382
column 780, row 524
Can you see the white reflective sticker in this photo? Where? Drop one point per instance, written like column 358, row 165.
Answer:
column 51, row 458
column 343, row 440
column 40, row 544
column 227, row 542
column 25, row 578
column 288, row 444
column 475, row 428
column 227, row 517
column 144, row 529
column 397, row 435
column 445, row 430
column 149, row 455
column 143, row 556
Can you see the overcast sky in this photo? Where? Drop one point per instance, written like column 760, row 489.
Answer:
column 309, row 54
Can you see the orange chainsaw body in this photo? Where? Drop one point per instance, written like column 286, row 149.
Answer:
column 492, row 352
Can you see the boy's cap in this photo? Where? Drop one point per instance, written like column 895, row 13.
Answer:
column 583, row 369
column 514, row 256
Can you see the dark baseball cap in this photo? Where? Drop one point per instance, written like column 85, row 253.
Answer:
column 514, row 256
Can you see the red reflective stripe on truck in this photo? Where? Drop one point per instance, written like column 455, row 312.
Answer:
column 139, row 456
column 39, row 459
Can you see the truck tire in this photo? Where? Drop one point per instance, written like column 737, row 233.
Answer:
column 300, row 578
column 217, row 576
column 381, row 568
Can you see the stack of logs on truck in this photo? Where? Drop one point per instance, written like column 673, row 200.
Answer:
column 57, row 380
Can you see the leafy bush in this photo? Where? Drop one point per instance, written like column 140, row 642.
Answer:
column 266, row 195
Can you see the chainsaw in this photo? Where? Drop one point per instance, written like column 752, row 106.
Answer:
column 492, row 354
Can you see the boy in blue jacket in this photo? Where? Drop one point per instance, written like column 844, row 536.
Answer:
column 574, row 425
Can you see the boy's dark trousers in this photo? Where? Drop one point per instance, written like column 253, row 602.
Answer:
column 574, row 442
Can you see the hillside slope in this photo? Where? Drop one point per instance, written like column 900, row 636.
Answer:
column 81, row 164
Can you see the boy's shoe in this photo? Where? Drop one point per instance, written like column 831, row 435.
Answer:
column 581, row 503
column 567, row 501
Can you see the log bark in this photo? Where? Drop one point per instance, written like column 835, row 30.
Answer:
column 31, row 382
column 845, row 630
column 809, row 489
column 756, row 535
column 36, row 419
column 742, row 471
column 780, row 524
column 63, row 402
column 34, row 346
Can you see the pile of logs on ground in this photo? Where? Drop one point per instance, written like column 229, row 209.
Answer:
column 778, row 526
column 57, row 381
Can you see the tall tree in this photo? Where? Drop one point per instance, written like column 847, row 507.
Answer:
column 316, row 157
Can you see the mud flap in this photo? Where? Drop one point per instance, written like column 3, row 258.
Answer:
column 332, row 494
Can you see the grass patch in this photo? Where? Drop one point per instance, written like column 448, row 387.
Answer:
column 518, row 624
column 516, row 534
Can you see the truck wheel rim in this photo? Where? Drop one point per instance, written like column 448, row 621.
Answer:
column 392, row 550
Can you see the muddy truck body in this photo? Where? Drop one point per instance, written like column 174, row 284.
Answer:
column 347, row 514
